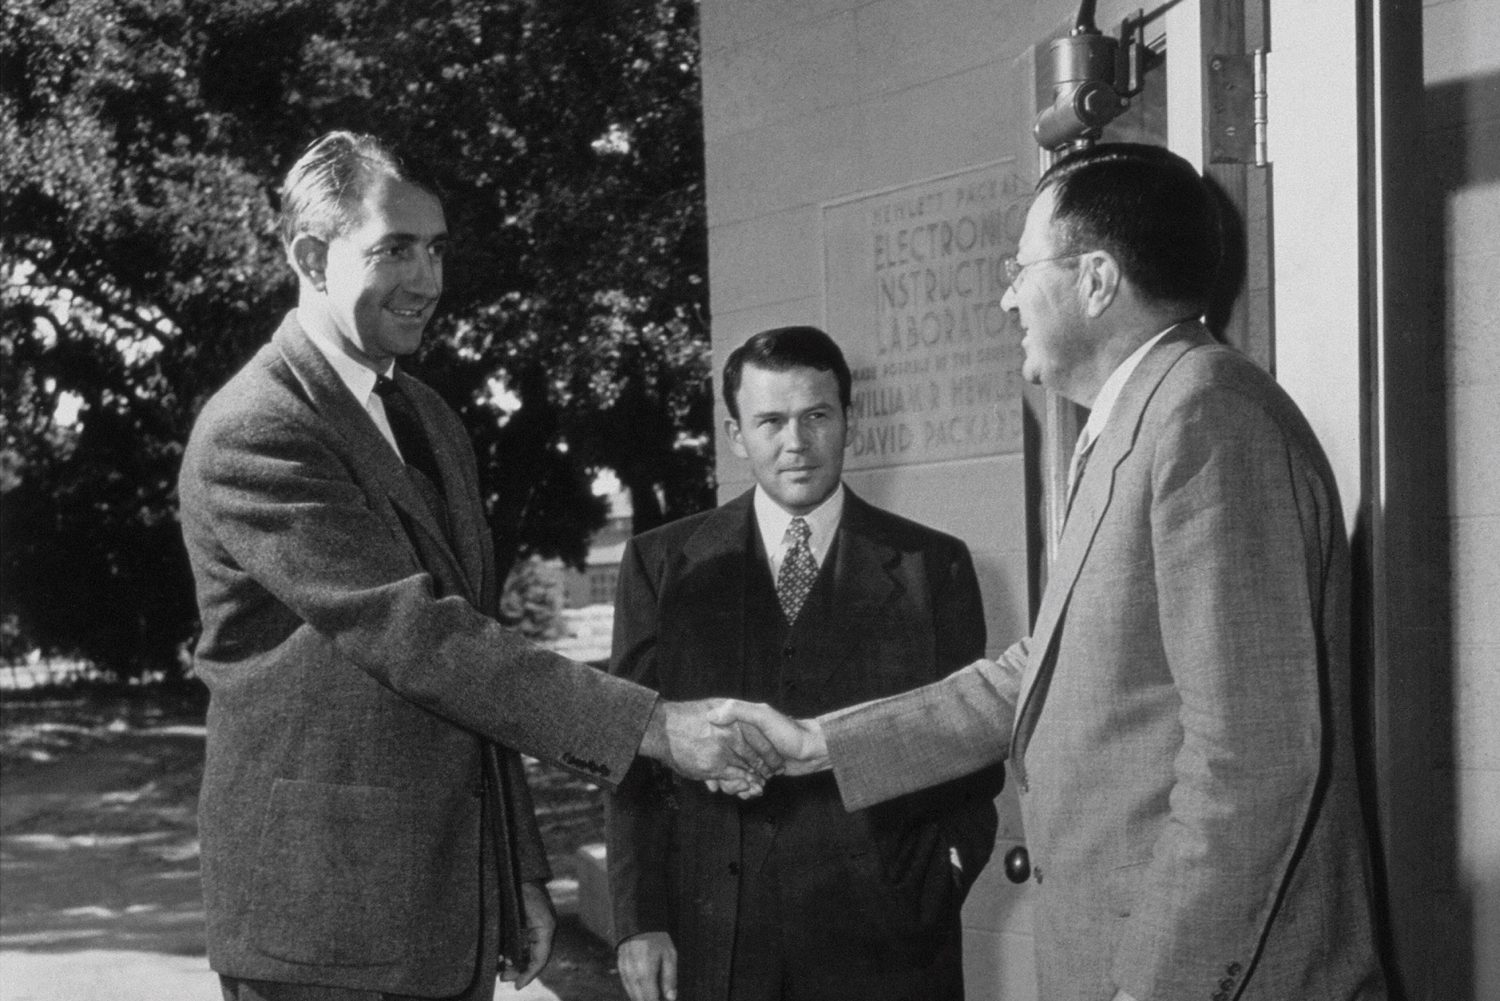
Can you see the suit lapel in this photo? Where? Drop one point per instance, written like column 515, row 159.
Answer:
column 1092, row 501
column 865, row 563
column 464, row 519
column 866, row 573
column 716, row 560
column 369, row 452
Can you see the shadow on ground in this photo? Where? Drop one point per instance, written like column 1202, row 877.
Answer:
column 98, row 839
column 99, row 843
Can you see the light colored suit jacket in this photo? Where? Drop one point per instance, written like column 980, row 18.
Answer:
column 1184, row 745
column 904, row 610
column 359, row 683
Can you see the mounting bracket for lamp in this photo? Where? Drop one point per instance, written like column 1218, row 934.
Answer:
column 1093, row 78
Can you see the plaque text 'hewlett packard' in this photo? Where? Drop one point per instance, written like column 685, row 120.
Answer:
column 914, row 279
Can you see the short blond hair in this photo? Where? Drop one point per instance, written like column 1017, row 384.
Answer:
column 329, row 180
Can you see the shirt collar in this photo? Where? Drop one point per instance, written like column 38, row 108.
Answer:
column 822, row 520
column 359, row 379
column 1109, row 393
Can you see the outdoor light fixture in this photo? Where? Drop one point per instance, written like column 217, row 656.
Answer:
column 1093, row 79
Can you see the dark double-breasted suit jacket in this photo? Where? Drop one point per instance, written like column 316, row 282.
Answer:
column 364, row 817
column 896, row 605
column 1179, row 723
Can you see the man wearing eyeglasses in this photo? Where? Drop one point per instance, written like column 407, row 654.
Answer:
column 1179, row 722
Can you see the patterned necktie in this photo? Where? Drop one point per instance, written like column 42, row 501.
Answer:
column 411, row 440
column 798, row 570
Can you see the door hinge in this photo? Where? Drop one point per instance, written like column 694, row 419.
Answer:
column 1236, row 120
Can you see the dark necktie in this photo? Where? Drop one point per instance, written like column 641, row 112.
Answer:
column 798, row 570
column 413, row 444
column 411, row 440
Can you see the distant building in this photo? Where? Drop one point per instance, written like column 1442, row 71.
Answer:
column 595, row 584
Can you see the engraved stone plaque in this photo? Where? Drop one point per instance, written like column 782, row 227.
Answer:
column 912, row 282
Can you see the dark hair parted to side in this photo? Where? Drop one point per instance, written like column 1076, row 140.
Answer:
column 329, row 181
column 782, row 348
column 1147, row 207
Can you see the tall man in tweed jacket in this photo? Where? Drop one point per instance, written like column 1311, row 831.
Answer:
column 366, row 827
column 788, row 897
column 1179, row 721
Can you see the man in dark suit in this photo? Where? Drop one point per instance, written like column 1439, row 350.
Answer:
column 1179, row 723
column 366, row 827
column 800, row 594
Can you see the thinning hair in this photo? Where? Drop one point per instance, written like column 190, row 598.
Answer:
column 1150, row 209
column 783, row 348
column 325, row 187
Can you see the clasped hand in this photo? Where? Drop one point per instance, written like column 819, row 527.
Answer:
column 733, row 746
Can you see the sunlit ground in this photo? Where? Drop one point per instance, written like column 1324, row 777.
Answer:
column 99, row 890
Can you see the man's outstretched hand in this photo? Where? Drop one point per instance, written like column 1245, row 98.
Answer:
column 799, row 743
column 687, row 737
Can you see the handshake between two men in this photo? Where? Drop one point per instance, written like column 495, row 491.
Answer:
column 733, row 746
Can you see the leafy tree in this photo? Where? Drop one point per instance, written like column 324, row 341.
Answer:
column 141, row 142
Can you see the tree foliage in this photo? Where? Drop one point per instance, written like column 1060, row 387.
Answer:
column 141, row 143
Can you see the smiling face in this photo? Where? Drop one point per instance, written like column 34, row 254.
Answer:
column 1047, row 302
column 793, row 432
column 381, row 278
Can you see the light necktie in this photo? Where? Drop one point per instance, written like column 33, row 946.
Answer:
column 798, row 570
column 1081, row 451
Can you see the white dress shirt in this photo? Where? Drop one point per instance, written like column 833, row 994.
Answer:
column 1110, row 391
column 359, row 379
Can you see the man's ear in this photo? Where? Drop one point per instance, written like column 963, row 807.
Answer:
column 851, row 427
column 736, row 439
column 309, row 258
column 1099, row 277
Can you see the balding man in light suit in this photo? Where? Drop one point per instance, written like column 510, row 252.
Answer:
column 1179, row 722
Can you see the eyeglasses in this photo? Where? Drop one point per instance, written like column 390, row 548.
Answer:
column 1014, row 268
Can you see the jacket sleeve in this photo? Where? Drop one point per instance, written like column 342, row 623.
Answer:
column 903, row 743
column 280, row 529
column 638, row 815
column 1240, row 526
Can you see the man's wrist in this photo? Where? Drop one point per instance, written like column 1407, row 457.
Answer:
column 816, row 745
column 654, row 739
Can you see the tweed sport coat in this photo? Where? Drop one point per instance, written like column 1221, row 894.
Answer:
column 906, row 610
column 1184, row 746
column 358, row 684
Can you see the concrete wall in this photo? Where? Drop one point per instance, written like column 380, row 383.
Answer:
column 815, row 111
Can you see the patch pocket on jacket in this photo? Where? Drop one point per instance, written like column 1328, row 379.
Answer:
column 333, row 869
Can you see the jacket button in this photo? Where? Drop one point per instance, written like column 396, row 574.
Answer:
column 788, row 651
column 734, row 868
column 1018, row 864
